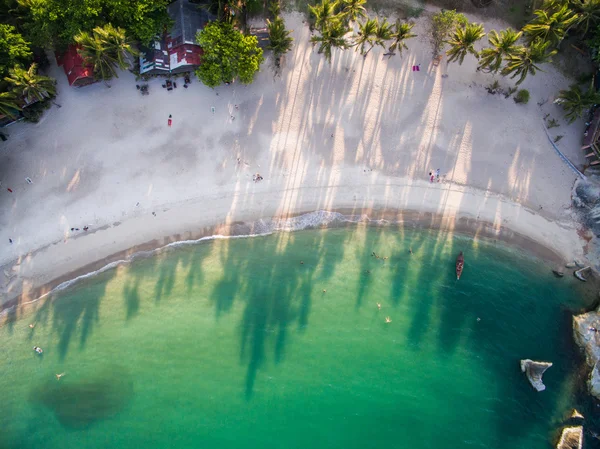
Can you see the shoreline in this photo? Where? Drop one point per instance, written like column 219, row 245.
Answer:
column 459, row 222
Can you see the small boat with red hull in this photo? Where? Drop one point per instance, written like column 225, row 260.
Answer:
column 460, row 264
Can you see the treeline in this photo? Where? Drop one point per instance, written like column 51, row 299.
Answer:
column 333, row 21
column 520, row 53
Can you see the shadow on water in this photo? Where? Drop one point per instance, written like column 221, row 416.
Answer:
column 78, row 404
column 277, row 292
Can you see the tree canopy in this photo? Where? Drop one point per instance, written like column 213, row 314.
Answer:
column 58, row 21
column 228, row 54
column 14, row 49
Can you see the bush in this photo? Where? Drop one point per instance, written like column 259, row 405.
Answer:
column 34, row 112
column 522, row 96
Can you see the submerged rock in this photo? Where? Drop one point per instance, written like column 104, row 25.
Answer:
column 534, row 372
column 571, row 438
column 571, row 265
column 585, row 333
column 558, row 273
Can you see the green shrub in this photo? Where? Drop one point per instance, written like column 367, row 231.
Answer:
column 34, row 112
column 522, row 96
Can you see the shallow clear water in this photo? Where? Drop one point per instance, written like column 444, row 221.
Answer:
column 233, row 343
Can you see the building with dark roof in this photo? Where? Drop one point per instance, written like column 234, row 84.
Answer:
column 177, row 51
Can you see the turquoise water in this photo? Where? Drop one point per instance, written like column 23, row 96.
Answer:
column 234, row 344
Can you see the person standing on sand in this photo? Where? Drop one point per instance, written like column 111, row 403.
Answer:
column 170, row 121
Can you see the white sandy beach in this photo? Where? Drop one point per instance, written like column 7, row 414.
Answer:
column 359, row 134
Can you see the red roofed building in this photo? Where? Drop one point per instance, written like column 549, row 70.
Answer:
column 177, row 51
column 77, row 72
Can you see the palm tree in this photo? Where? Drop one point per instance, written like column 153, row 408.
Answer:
column 575, row 102
column 463, row 41
column 550, row 25
column 106, row 49
column 354, row 9
column 402, row 32
column 588, row 14
column 525, row 60
column 366, row 35
column 501, row 46
column 280, row 40
column 323, row 13
column 30, row 86
column 333, row 36
column 383, row 33
column 8, row 104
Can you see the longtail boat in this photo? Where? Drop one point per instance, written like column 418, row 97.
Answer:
column 460, row 263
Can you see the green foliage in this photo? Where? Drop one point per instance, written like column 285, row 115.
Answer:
column 323, row 14
column 354, row 10
column 442, row 23
column 366, row 35
column 13, row 49
column 106, row 48
column 228, row 55
column 57, row 22
column 522, row 96
column 575, row 101
column 333, row 36
column 9, row 104
column 550, row 25
column 34, row 112
column 501, row 46
column 588, row 14
column 280, row 41
column 402, row 32
column 593, row 43
column 463, row 42
column 141, row 19
column 525, row 60
column 30, row 86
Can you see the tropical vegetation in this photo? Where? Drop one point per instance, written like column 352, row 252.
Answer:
column 334, row 20
column 29, row 85
column 576, row 101
column 228, row 55
column 462, row 41
column 106, row 49
column 502, row 46
column 402, row 32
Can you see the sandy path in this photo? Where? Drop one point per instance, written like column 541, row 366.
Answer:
column 359, row 134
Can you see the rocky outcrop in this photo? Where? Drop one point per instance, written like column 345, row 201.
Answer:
column 576, row 415
column 534, row 372
column 585, row 331
column 571, row 438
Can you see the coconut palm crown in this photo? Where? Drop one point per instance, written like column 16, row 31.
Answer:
column 525, row 61
column 462, row 42
column 402, row 32
column 30, row 86
column 550, row 25
column 501, row 46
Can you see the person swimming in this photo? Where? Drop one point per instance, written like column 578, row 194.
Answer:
column 31, row 325
column 379, row 306
column 58, row 376
column 38, row 349
column 388, row 319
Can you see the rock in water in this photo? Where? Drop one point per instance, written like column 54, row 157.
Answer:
column 576, row 415
column 558, row 273
column 571, row 265
column 571, row 438
column 586, row 336
column 534, row 372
